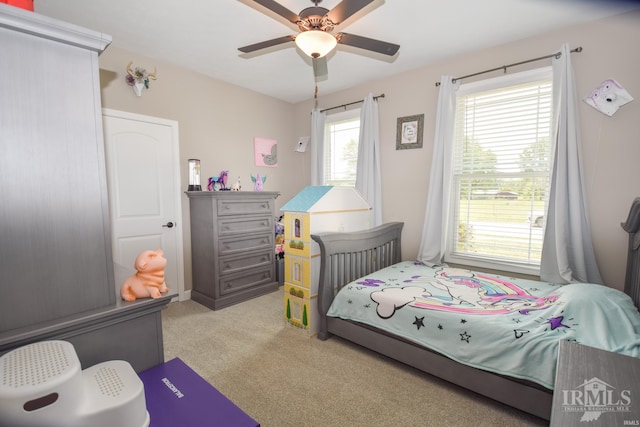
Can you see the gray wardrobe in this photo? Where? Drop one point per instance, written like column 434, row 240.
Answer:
column 57, row 277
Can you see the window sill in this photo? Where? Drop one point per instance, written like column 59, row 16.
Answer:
column 491, row 264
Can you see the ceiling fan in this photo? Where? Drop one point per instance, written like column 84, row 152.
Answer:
column 316, row 25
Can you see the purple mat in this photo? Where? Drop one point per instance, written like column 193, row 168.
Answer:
column 177, row 396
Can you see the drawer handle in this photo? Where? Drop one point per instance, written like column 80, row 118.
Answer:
column 265, row 206
column 228, row 267
column 227, row 247
column 228, row 285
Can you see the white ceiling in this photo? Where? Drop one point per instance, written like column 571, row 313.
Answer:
column 204, row 35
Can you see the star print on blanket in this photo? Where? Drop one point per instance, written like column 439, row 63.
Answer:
column 501, row 324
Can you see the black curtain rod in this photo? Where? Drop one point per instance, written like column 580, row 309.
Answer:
column 351, row 103
column 504, row 67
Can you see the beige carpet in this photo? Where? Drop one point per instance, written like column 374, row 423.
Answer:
column 281, row 377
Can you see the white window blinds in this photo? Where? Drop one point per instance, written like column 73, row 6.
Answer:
column 342, row 132
column 501, row 173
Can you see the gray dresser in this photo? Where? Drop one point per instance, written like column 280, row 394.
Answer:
column 232, row 246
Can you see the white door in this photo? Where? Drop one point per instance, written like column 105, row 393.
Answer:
column 143, row 176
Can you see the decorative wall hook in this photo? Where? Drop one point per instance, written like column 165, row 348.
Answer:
column 138, row 78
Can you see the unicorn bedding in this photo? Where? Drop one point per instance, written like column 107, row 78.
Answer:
column 496, row 323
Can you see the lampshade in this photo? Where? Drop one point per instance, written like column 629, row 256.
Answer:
column 316, row 43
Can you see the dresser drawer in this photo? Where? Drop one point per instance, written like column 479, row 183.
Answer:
column 237, row 282
column 232, row 264
column 234, row 245
column 248, row 224
column 244, row 207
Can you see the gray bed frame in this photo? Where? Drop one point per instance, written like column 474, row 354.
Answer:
column 346, row 257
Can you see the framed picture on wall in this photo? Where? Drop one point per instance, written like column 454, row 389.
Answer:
column 409, row 132
column 265, row 152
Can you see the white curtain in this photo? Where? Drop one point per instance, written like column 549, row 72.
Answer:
column 368, row 180
column 567, row 252
column 317, row 146
column 436, row 221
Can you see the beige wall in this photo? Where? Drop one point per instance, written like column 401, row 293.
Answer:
column 218, row 122
column 611, row 145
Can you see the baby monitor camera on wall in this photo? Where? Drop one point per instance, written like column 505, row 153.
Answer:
column 301, row 146
column 608, row 97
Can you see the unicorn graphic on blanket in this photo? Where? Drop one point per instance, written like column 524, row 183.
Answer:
column 462, row 291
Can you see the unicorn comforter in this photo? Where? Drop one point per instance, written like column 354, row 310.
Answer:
column 499, row 324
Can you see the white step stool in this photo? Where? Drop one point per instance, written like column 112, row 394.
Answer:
column 42, row 384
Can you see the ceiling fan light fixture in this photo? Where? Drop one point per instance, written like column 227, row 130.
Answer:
column 316, row 43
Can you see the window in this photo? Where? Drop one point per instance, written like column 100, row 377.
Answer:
column 341, row 135
column 501, row 172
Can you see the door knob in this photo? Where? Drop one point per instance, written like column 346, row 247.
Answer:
column 168, row 225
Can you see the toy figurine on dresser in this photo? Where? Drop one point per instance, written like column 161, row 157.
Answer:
column 258, row 182
column 219, row 183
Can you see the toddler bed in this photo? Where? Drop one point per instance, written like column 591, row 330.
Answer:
column 494, row 335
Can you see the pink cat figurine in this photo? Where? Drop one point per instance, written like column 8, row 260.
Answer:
column 149, row 280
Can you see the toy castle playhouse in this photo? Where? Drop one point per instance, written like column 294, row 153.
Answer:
column 316, row 209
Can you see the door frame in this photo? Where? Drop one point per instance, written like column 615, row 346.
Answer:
column 177, row 202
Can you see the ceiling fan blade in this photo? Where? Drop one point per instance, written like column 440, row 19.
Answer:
column 345, row 9
column 266, row 44
column 320, row 70
column 279, row 9
column 367, row 43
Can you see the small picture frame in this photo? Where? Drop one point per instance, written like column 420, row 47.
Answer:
column 265, row 152
column 409, row 132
